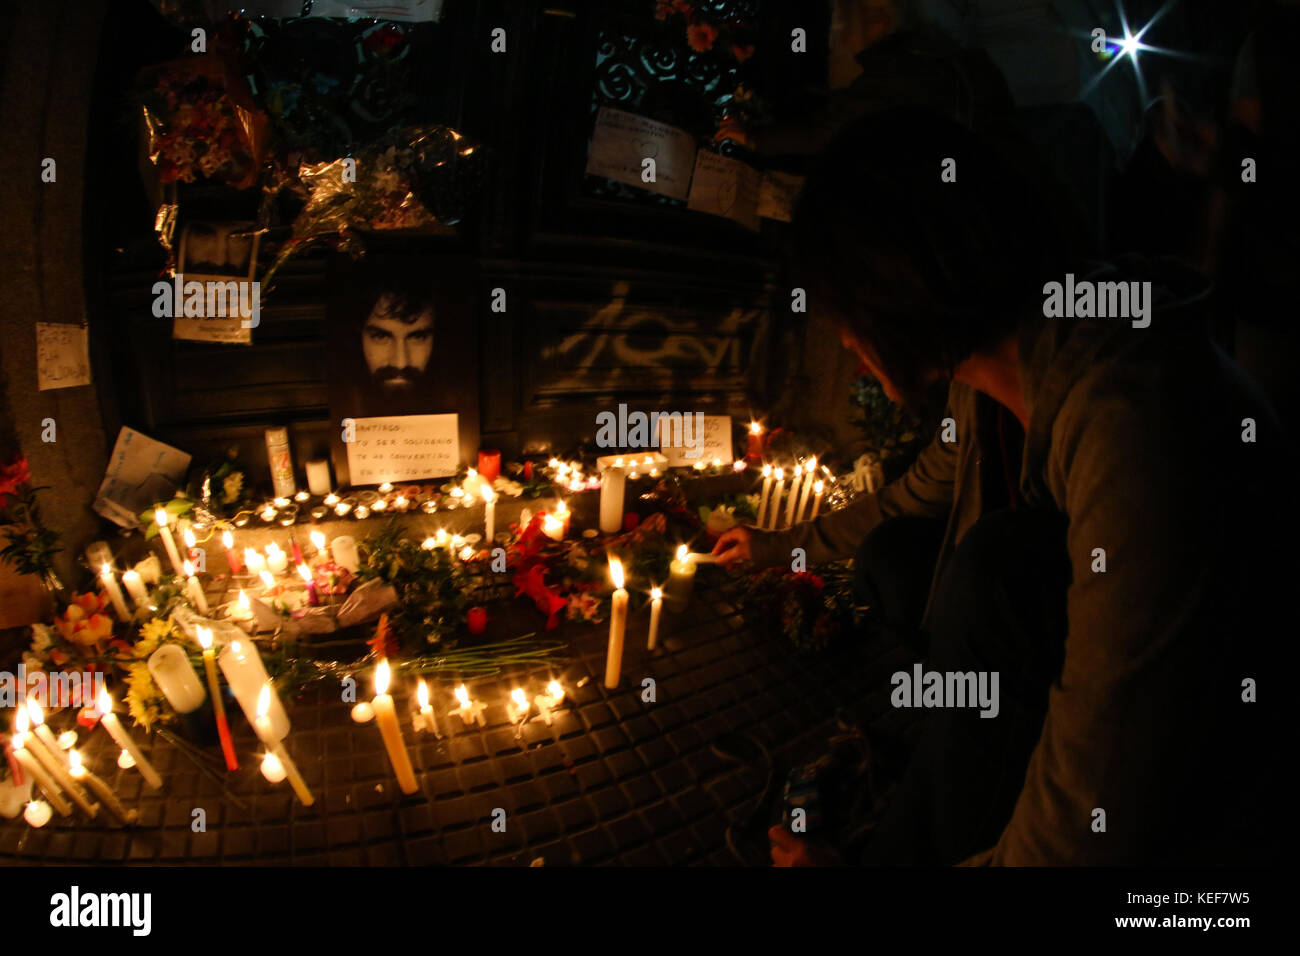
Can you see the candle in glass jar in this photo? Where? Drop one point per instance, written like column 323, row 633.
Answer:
column 391, row 730
column 114, row 590
column 161, row 518
column 617, row 625
column 277, row 562
column 318, row 477
column 346, row 554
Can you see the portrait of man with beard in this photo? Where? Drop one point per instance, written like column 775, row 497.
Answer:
column 403, row 341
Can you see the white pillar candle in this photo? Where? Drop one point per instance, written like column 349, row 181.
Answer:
column 135, row 587
column 277, row 562
column 161, row 518
column 767, row 493
column 344, row 549
column 490, row 519
column 811, row 471
column 617, row 625
column 246, row 675
column 775, row 508
column 656, row 606
column 318, row 477
column 114, row 590
column 171, row 671
column 681, row 579
column 391, row 730
column 123, row 740
column 817, row 501
column 195, row 590
column 613, row 481
column 794, row 495
column 266, row 733
column 254, row 563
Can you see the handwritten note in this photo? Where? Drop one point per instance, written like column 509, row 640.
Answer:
column 725, row 187
column 228, row 330
column 622, row 142
column 404, row 448
column 62, row 356
column 714, row 441
column 141, row 472
column 777, row 195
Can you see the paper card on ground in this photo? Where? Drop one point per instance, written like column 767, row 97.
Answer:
column 141, row 473
column 62, row 356
column 777, row 194
column 622, row 141
column 403, row 448
column 725, row 187
column 713, row 442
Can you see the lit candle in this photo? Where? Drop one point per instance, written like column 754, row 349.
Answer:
column 613, row 481
column 385, row 488
column 553, row 527
column 379, row 505
column 277, row 562
column 100, row 789
column 135, row 587
column 469, row 711
column 161, row 518
column 218, row 706
column 776, row 499
column 517, row 707
column 246, row 675
column 391, row 730
column 254, row 561
column 115, row 730
column 232, row 556
column 656, row 605
column 268, row 581
column 490, row 520
column 817, row 501
column 807, row 489
column 33, row 767
column 169, row 666
column 428, row 720
column 191, row 543
column 37, row 813
column 330, row 500
column 243, row 610
column 754, row 449
column 794, row 495
column 268, row 513
column 55, row 762
column 617, row 624
column 346, row 554
column 318, row 542
column 281, row 502
column 194, row 589
column 262, row 724
column 548, row 702
column 767, row 492
column 43, row 733
column 297, row 551
column 304, row 572
column 681, row 579
column 114, row 592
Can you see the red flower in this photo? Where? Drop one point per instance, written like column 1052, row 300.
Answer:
column 663, row 10
column 383, row 39
column 13, row 476
column 742, row 52
column 701, row 36
column 682, row 6
column 384, row 643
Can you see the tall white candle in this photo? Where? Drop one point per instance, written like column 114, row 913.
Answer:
column 391, row 731
column 135, row 587
column 776, row 499
column 49, row 786
column 266, row 733
column 246, row 675
column 613, row 481
column 169, row 666
column 656, row 606
column 195, row 590
column 817, row 501
column 161, row 518
column 807, row 487
column 123, row 740
column 617, row 625
column 490, row 520
column 114, row 592
column 43, row 733
column 794, row 495
column 767, row 493
column 54, row 760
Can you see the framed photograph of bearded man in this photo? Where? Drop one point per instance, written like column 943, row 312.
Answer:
column 403, row 346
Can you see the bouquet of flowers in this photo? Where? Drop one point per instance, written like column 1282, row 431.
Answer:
column 30, row 546
column 812, row 611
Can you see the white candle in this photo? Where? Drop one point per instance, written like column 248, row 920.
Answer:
column 517, row 707
column 613, row 481
column 161, row 519
column 254, row 563
column 681, row 579
column 318, row 477
column 429, row 720
column 49, row 786
column 266, row 733
column 114, row 592
column 811, row 472
column 817, row 501
column 656, row 605
column 767, row 492
column 469, row 711
column 43, row 733
column 54, row 760
column 195, row 590
column 123, row 740
column 135, row 587
column 100, row 789
column 490, row 520
column 617, row 625
column 794, row 495
column 171, row 671
column 277, row 562
column 776, row 499
column 346, row 555
column 548, row 702
column 391, row 731
column 318, row 542
column 246, row 676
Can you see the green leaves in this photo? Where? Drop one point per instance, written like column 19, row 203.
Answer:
column 175, row 508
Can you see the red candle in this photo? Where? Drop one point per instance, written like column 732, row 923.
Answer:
column 477, row 618
column 232, row 556
column 297, row 551
column 754, row 450
column 528, row 471
column 489, row 464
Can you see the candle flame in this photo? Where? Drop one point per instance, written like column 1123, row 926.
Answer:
column 267, row 577
column 471, row 473
column 228, row 540
column 519, row 698
column 35, row 712
column 780, row 474
column 243, row 601
column 812, row 464
column 561, row 508
column 264, row 701
column 717, row 463
column 188, row 568
column 767, row 471
column 429, row 543
column 190, row 541
column 682, row 552
column 106, row 571
column 616, row 571
column 250, row 555
column 272, row 548
column 488, row 494
column 740, row 464
column 382, row 676
column 318, row 540
column 422, row 694
column 818, row 485
column 104, row 704
column 304, row 572
column 74, row 762
column 755, row 428
column 462, row 695
column 21, row 721
column 798, row 470
column 205, row 636
column 656, row 593
column 555, row 690
column 160, row 517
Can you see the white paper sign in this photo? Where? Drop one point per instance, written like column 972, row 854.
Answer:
column 725, row 187
column 404, row 448
column 228, row 330
column 622, row 141
column 411, row 10
column 62, row 356
column 716, row 442
column 777, row 195
column 141, row 473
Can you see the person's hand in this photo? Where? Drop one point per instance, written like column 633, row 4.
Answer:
column 790, row 850
column 733, row 546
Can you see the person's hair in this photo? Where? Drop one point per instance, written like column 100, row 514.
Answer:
column 408, row 289
column 927, row 272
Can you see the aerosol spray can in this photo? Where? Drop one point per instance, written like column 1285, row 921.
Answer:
column 277, row 453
